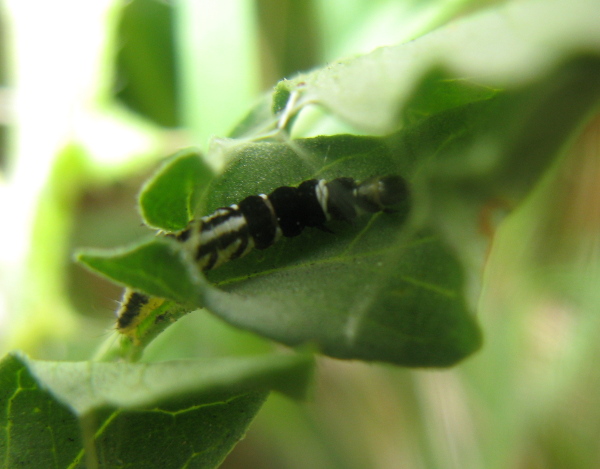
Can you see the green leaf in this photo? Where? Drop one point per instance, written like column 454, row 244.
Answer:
column 168, row 199
column 38, row 431
column 157, row 268
column 61, row 414
column 146, row 71
column 325, row 289
column 174, row 436
column 367, row 291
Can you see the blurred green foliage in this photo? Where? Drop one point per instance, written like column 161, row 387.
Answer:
column 146, row 69
column 491, row 115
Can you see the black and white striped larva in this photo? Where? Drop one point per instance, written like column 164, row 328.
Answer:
column 258, row 221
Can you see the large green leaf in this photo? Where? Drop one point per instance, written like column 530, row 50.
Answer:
column 365, row 291
column 94, row 414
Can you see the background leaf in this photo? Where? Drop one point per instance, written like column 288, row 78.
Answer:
column 146, row 67
column 499, row 48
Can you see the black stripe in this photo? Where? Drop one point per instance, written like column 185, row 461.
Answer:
column 131, row 309
column 212, row 260
column 219, row 243
column 310, row 212
column 244, row 236
column 206, row 248
column 287, row 205
column 262, row 225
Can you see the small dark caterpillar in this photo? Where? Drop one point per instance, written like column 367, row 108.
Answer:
column 258, row 221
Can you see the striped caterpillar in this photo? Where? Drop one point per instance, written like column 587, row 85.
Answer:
column 259, row 221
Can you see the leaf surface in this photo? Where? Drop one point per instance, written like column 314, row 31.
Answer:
column 169, row 198
column 157, row 267
column 165, row 414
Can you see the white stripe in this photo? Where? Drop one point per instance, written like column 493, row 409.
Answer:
column 269, row 205
column 322, row 193
column 232, row 224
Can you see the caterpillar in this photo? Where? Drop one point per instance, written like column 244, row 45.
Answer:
column 259, row 221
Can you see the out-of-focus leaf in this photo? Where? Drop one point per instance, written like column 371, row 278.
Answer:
column 146, row 68
column 502, row 47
